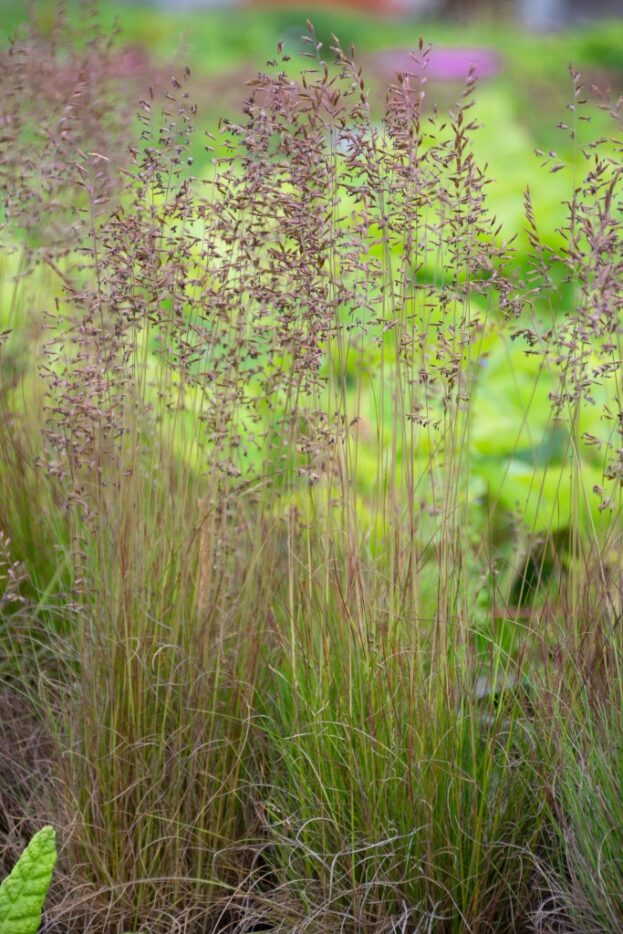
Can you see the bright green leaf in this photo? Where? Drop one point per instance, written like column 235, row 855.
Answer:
column 23, row 892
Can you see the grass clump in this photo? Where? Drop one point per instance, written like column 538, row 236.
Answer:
column 421, row 820
column 290, row 615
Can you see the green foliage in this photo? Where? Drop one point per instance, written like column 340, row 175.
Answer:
column 24, row 890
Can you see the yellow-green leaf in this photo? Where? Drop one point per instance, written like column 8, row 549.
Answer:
column 23, row 892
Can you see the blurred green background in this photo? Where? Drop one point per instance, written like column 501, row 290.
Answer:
column 519, row 106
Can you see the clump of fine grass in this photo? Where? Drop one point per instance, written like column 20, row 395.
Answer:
column 579, row 749
column 291, row 655
column 144, row 660
column 392, row 803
